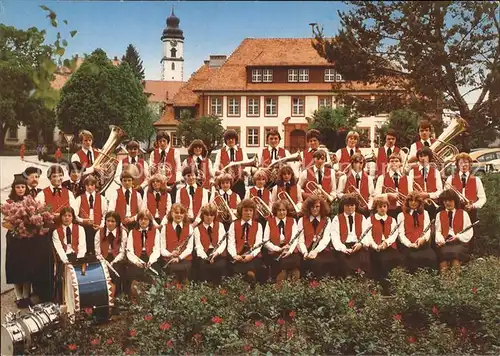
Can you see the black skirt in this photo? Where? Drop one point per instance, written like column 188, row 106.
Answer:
column 181, row 267
column 18, row 261
column 415, row 258
column 456, row 250
column 244, row 267
column 324, row 264
column 384, row 260
column 207, row 271
column 43, row 258
column 349, row 264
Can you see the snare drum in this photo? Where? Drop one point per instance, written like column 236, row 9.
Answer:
column 89, row 289
column 32, row 326
column 51, row 310
column 13, row 338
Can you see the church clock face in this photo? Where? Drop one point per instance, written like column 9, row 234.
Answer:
column 173, row 43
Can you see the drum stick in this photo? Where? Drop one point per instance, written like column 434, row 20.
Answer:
column 111, row 268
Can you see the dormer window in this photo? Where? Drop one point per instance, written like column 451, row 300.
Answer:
column 293, row 75
column 303, row 75
column 256, row 75
column 331, row 75
column 267, row 75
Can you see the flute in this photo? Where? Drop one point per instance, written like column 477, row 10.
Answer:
column 255, row 247
column 137, row 259
column 292, row 240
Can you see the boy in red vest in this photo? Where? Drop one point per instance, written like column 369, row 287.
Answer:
column 91, row 208
column 75, row 182
column 192, row 196
column 142, row 166
column 231, row 152
column 386, row 151
column 425, row 140
column 272, row 152
column 313, row 138
column 451, row 240
column 55, row 195
column 344, row 155
column 394, row 185
column 126, row 201
column 157, row 199
column 166, row 160
column 87, row 154
column 319, row 174
column 287, row 183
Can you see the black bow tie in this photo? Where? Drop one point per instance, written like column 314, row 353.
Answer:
column 389, row 152
column 111, row 239
column 133, row 160
column 382, row 222
column 246, row 227
column 351, row 152
column 259, row 193
column 287, row 187
column 127, row 196
column 396, row 180
column 191, row 190
column 281, row 226
column 232, row 154
column 450, row 218
column 426, row 144
column 315, row 224
column 162, row 155
column 91, row 202
column 89, row 157
column 33, row 192
column 464, row 180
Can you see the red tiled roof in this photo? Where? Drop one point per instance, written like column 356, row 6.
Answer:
column 168, row 117
column 186, row 96
column 161, row 91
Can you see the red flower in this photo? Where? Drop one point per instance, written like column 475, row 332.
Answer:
column 88, row 311
column 435, row 310
column 148, row 317
column 129, row 351
column 204, row 300
column 197, row 336
column 373, row 292
column 289, row 334
column 313, row 284
column 217, row 320
column 412, row 339
column 223, row 292
column 281, row 321
column 474, row 290
column 109, row 341
column 351, row 303
column 165, row 326
column 463, row 331
column 134, row 301
column 133, row 333
column 168, row 285
column 170, row 343
column 247, row 348
column 72, row 347
column 292, row 314
column 242, row 298
column 397, row 317
column 95, row 342
column 258, row 324
column 178, row 286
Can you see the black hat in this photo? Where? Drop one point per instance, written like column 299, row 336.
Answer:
column 19, row 179
column 31, row 170
column 75, row 166
column 54, row 169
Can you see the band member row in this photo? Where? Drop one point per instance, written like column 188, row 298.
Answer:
column 318, row 177
column 356, row 181
column 197, row 157
column 141, row 181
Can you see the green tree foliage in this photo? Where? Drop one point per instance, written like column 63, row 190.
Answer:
column 100, row 94
column 432, row 49
column 333, row 125
column 134, row 61
column 209, row 129
column 405, row 123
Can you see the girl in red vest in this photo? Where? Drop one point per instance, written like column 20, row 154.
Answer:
column 210, row 243
column 315, row 237
column 451, row 242
column 245, row 242
column 319, row 174
column 260, row 190
column 110, row 244
column 313, row 138
column 415, row 234
column 223, row 185
column 287, row 183
column 279, row 232
column 142, row 166
column 191, row 195
column 69, row 238
column 381, row 239
column 197, row 157
column 177, row 242
column 425, row 140
column 347, row 230
column 157, row 200
column 344, row 155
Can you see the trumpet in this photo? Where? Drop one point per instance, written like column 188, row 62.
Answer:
column 283, row 195
column 353, row 190
column 462, row 196
column 404, row 167
column 427, row 201
column 401, row 197
column 225, row 213
column 262, row 208
column 315, row 187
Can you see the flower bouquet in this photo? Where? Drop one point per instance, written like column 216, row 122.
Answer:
column 27, row 218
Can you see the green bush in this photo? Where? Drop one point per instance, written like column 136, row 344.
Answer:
column 428, row 314
column 487, row 238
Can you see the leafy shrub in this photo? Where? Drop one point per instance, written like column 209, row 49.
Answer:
column 487, row 238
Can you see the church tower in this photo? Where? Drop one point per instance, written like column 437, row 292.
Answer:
column 172, row 62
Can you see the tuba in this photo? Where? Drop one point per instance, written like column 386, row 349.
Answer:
column 273, row 169
column 107, row 165
column 444, row 152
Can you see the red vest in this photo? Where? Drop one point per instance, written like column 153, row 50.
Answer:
column 233, row 202
column 75, row 237
column 431, row 178
column 266, row 156
column 84, row 212
column 240, row 239
column 470, row 186
column 150, row 241
column 363, row 185
column 377, row 230
column 197, row 199
column 389, row 182
column 139, row 164
column 56, row 202
column 205, row 239
column 121, row 204
column 307, row 160
column 225, row 157
column 344, row 229
column 274, row 231
column 204, row 168
column 309, row 232
column 293, row 192
column 169, row 159
column 326, row 182
column 458, row 222
column 84, row 159
column 420, row 145
column 104, row 243
column 382, row 160
column 413, row 233
column 266, row 194
column 345, row 158
column 172, row 241
column 162, row 205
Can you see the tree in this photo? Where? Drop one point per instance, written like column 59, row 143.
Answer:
column 432, row 49
column 333, row 125
column 405, row 123
column 134, row 61
column 100, row 94
column 209, row 129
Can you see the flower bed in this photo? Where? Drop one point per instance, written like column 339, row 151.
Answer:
column 428, row 314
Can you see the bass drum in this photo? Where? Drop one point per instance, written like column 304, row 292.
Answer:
column 88, row 287
column 13, row 338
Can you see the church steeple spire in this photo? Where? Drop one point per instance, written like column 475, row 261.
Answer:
column 173, row 48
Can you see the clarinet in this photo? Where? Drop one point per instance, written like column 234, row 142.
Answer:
column 218, row 245
column 183, row 246
column 363, row 235
column 467, row 228
column 255, row 247
column 395, row 228
column 320, row 237
column 292, row 240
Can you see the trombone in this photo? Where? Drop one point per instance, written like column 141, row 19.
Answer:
column 283, row 195
column 353, row 190
column 225, row 213
column 317, row 189
column 462, row 196
column 262, row 208
column 427, row 201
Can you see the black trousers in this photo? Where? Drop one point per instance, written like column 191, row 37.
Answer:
column 43, row 267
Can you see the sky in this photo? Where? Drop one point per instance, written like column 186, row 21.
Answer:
column 212, row 27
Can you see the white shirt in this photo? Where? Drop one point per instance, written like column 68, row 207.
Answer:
column 229, row 193
column 113, row 196
column 481, row 195
column 41, row 197
column 402, row 233
column 119, row 170
column 343, row 181
column 413, row 147
column 123, row 244
column 231, row 242
column 380, row 183
column 463, row 237
column 177, row 160
column 157, row 214
column 82, row 246
column 78, row 203
column 200, row 251
column 155, row 254
column 163, row 242
column 390, row 239
column 260, row 154
column 76, row 158
column 351, row 235
column 217, row 163
column 190, row 211
column 439, row 182
column 267, row 232
column 325, row 239
column 303, row 179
